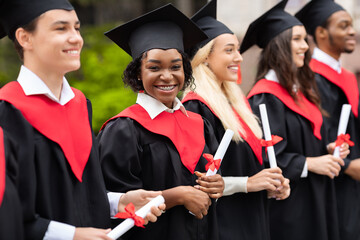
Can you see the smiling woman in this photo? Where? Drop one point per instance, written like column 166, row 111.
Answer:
column 156, row 144
column 287, row 86
column 218, row 98
column 162, row 74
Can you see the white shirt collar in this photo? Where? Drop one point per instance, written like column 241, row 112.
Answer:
column 271, row 75
column 323, row 57
column 33, row 85
column 154, row 107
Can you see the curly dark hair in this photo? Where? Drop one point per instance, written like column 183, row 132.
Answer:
column 133, row 71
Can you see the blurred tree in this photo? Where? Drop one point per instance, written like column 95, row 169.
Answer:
column 100, row 75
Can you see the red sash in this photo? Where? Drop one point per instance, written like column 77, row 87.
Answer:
column 186, row 133
column 346, row 81
column 2, row 166
column 304, row 107
column 250, row 138
column 66, row 125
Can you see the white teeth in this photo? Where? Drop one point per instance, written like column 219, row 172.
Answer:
column 301, row 54
column 73, row 52
column 234, row 68
column 166, row 88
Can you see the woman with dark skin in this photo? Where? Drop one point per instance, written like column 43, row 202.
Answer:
column 156, row 144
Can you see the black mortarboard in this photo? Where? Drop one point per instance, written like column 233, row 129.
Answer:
column 18, row 13
column 205, row 18
column 316, row 12
column 163, row 28
column 268, row 26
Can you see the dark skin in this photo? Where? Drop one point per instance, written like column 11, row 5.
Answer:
column 338, row 38
column 162, row 74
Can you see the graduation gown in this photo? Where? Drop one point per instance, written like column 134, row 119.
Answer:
column 310, row 210
column 241, row 215
column 11, row 225
column 335, row 90
column 135, row 154
column 49, row 189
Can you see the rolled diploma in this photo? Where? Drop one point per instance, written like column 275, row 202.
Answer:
column 344, row 118
column 220, row 152
column 127, row 224
column 267, row 134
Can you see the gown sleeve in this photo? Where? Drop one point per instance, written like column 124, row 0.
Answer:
column 21, row 132
column 119, row 140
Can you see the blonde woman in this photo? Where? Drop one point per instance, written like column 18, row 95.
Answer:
column 242, row 212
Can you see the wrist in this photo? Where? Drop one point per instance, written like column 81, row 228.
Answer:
column 121, row 205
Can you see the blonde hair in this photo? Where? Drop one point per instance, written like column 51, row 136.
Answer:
column 222, row 98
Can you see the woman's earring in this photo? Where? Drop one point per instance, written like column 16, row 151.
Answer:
column 206, row 64
column 139, row 79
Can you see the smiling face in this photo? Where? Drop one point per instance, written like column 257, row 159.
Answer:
column 298, row 45
column 341, row 33
column 224, row 59
column 162, row 74
column 56, row 43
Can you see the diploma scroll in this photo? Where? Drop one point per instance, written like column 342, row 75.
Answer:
column 220, row 152
column 267, row 135
column 343, row 122
column 127, row 224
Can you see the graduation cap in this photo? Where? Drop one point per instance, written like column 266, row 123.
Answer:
column 18, row 13
column 316, row 12
column 205, row 18
column 268, row 26
column 163, row 28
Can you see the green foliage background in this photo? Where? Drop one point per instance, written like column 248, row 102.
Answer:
column 99, row 78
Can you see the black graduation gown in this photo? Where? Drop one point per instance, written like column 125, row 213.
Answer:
column 347, row 189
column 132, row 157
column 48, row 188
column 241, row 215
column 11, row 224
column 310, row 210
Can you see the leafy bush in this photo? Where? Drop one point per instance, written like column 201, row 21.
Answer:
column 9, row 62
column 100, row 75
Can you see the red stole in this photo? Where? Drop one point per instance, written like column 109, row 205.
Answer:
column 2, row 166
column 346, row 81
column 66, row 125
column 186, row 133
column 304, row 107
column 250, row 138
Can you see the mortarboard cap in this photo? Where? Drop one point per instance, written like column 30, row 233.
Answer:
column 205, row 18
column 268, row 26
column 316, row 12
column 18, row 13
column 163, row 28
